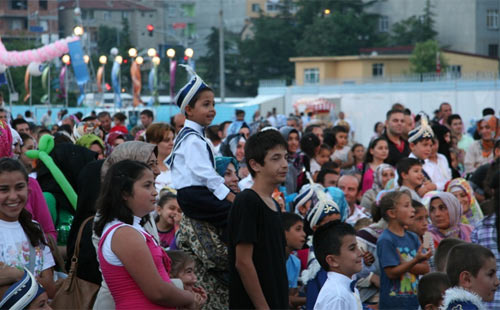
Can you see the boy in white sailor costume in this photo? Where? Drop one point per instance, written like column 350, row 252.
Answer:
column 201, row 192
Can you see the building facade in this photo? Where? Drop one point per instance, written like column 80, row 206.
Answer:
column 33, row 20
column 470, row 26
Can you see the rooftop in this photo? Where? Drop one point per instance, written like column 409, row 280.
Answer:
column 111, row 5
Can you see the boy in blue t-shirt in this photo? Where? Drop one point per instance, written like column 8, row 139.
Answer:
column 400, row 254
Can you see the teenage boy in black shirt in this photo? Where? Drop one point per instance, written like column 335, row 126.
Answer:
column 257, row 241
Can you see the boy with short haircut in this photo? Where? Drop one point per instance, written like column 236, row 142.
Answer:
column 431, row 288
column 471, row 269
column 201, row 192
column 256, row 247
column 295, row 236
column 337, row 252
column 341, row 150
column 442, row 251
column 410, row 177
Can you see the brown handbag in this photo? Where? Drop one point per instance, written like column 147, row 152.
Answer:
column 75, row 293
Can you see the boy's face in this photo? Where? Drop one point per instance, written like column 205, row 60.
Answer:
column 414, row 177
column 203, row 112
column 318, row 131
column 275, row 166
column 341, row 138
column 422, row 149
column 330, row 179
column 420, row 222
column 295, row 236
column 349, row 262
column 486, row 282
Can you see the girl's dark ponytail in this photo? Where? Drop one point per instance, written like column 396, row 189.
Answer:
column 31, row 229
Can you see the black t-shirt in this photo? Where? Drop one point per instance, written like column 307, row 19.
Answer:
column 394, row 154
column 252, row 221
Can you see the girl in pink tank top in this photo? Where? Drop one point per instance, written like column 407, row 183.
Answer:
column 133, row 265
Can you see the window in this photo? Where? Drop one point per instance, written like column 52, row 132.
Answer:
column 493, row 50
column 187, row 10
column 43, row 4
column 311, row 76
column 383, row 24
column 88, row 14
column 45, row 25
column 18, row 4
column 377, row 70
column 125, row 14
column 455, row 70
column 172, row 10
column 18, row 24
column 272, row 7
column 255, row 7
column 492, row 19
column 107, row 15
column 190, row 30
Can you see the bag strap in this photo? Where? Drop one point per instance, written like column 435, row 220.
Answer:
column 79, row 237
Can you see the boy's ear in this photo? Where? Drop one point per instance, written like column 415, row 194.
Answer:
column 465, row 279
column 331, row 261
column 255, row 165
column 188, row 110
column 412, row 146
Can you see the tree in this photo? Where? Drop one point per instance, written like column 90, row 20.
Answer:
column 340, row 34
column 423, row 57
column 415, row 28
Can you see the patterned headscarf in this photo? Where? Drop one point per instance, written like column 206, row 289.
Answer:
column 377, row 176
column 455, row 230
column 475, row 214
column 133, row 150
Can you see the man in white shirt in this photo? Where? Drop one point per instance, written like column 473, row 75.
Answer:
column 337, row 252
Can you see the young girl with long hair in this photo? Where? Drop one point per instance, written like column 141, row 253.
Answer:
column 133, row 264
column 22, row 242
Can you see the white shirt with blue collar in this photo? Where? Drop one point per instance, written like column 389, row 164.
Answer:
column 338, row 292
column 192, row 165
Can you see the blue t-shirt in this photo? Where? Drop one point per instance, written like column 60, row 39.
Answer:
column 292, row 270
column 401, row 293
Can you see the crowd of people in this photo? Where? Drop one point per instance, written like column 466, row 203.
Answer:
column 276, row 213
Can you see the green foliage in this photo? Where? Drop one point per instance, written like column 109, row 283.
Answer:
column 415, row 28
column 423, row 58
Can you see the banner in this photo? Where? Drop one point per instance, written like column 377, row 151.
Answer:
column 62, row 84
column 77, row 62
column 173, row 67
column 115, row 72
column 100, row 73
column 135, row 74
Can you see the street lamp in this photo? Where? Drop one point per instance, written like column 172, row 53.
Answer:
column 156, row 60
column 170, row 53
column 78, row 31
column 66, row 59
column 119, row 59
column 103, row 59
column 86, row 58
column 139, row 60
column 132, row 52
column 151, row 52
column 327, row 11
column 189, row 52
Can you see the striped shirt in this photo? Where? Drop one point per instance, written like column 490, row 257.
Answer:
column 485, row 234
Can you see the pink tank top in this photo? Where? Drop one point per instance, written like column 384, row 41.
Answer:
column 126, row 293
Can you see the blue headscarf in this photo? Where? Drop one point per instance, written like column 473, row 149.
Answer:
column 222, row 162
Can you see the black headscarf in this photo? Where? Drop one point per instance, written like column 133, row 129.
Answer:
column 444, row 147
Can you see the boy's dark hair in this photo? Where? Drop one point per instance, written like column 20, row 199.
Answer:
column 451, row 118
column 289, row 219
column 320, row 178
column 311, row 127
column 488, row 111
column 27, row 113
column 430, row 288
column 330, row 165
column 389, row 200
column 223, row 125
column 308, row 144
column 18, row 121
column 327, row 240
column 416, row 204
column 442, row 251
column 148, row 113
column 392, row 111
column 89, row 118
column 404, row 165
column 259, row 144
column 239, row 112
column 120, row 116
column 338, row 128
column 407, row 112
column 179, row 261
column 212, row 133
column 103, row 114
column 325, row 146
column 329, row 137
column 466, row 257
